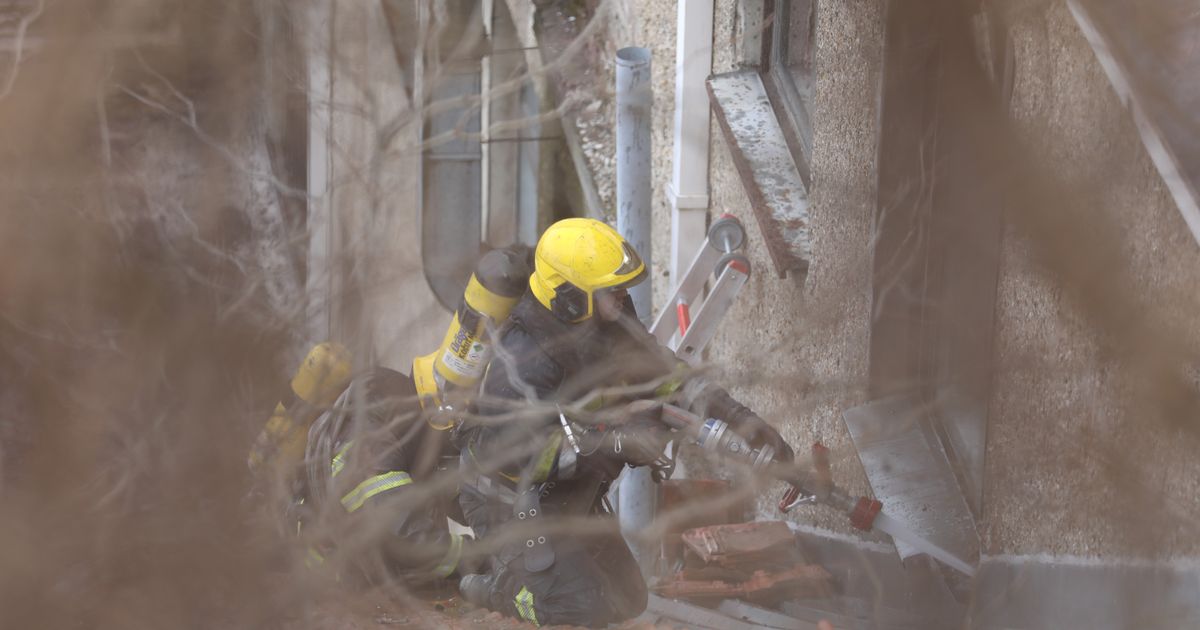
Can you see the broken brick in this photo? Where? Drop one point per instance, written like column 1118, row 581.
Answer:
column 744, row 544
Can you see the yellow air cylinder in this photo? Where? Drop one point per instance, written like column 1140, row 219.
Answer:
column 317, row 383
column 500, row 279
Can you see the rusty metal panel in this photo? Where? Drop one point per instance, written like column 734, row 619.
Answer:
column 767, row 169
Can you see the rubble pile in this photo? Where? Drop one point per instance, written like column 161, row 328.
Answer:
column 737, row 576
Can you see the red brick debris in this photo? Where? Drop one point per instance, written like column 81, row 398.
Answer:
column 799, row 581
column 757, row 562
column 740, row 544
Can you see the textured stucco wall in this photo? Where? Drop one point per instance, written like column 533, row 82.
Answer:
column 795, row 352
column 1071, row 466
column 798, row 353
column 1074, row 463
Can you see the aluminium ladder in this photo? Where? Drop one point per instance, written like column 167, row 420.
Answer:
column 720, row 256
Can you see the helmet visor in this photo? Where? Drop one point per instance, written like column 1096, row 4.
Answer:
column 616, row 297
column 630, row 262
column 617, row 288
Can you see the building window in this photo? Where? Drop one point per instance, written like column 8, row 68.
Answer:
column 451, row 187
column 483, row 148
column 789, row 27
column 763, row 109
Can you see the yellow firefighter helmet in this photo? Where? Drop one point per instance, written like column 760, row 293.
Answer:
column 576, row 258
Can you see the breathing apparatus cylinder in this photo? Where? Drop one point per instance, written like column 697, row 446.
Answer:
column 500, row 279
column 318, row 381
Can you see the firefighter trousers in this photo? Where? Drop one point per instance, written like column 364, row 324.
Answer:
column 594, row 580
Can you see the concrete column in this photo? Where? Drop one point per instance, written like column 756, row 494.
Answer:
column 637, row 497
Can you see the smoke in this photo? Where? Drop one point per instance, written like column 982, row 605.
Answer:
column 151, row 305
column 140, row 344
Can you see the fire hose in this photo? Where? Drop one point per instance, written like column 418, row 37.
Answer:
column 715, row 437
column 816, row 486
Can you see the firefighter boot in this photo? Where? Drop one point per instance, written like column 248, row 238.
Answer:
column 476, row 587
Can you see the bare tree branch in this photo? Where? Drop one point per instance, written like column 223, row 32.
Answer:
column 19, row 48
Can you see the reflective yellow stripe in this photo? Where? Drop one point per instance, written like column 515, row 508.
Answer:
column 374, row 486
column 501, row 472
column 524, row 602
column 669, row 387
column 450, row 562
column 512, row 478
column 313, row 559
column 541, row 472
column 339, row 460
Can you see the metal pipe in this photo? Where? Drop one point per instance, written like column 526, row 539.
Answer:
column 636, row 499
column 319, row 288
column 485, row 124
column 634, row 102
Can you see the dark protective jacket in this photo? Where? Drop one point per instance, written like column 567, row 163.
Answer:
column 373, row 483
column 542, row 359
column 518, row 455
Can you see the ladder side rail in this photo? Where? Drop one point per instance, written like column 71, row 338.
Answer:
column 667, row 324
column 706, row 322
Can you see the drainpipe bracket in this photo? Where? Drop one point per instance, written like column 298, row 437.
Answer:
column 686, row 201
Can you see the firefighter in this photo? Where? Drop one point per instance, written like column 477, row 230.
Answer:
column 367, row 462
column 376, row 490
column 529, row 464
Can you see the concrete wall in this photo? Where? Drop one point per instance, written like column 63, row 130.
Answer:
column 1072, row 466
column 1077, row 462
column 811, row 338
column 795, row 352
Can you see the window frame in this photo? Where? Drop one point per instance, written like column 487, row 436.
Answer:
column 791, row 108
column 516, row 220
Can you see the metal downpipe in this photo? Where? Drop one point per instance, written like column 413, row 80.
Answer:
column 636, row 497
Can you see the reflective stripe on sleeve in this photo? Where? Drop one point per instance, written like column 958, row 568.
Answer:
column 669, row 387
column 374, row 486
column 453, row 555
column 339, row 460
column 546, row 459
column 524, row 602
